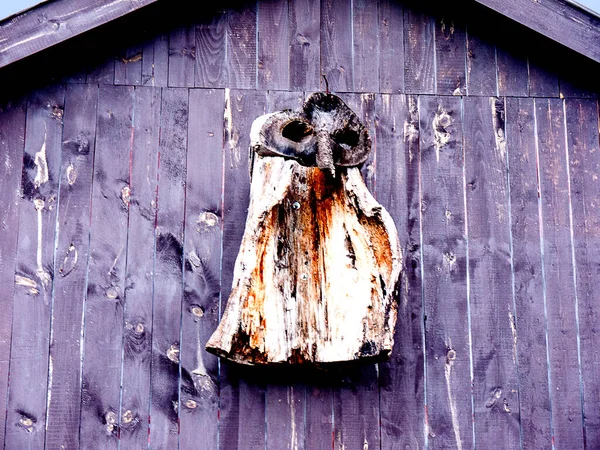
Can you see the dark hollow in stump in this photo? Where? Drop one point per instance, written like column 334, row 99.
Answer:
column 316, row 277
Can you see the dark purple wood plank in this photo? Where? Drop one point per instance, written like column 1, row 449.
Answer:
column 103, row 333
column 543, row 76
column 365, row 38
column 273, row 64
column 481, row 59
column 511, row 59
column 584, row 171
column 12, row 141
column 319, row 415
column 202, row 277
column 529, row 340
column 135, row 397
column 32, row 309
column 241, row 46
column 495, row 385
column 450, row 48
column 445, row 273
column 402, row 378
column 565, row 392
column 419, row 51
column 155, row 62
column 583, row 82
column 182, row 57
column 168, row 275
column 337, row 44
column 391, row 47
column 285, row 397
column 103, row 73
column 305, row 47
column 211, row 46
column 242, row 392
column 54, row 22
column 70, row 265
column 128, row 67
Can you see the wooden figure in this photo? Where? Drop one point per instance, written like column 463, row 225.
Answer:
column 317, row 274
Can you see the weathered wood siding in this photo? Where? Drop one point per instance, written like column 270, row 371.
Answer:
column 123, row 194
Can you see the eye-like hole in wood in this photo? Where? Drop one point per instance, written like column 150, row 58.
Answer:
column 346, row 138
column 296, row 131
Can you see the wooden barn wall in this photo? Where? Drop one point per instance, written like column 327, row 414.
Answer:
column 123, row 194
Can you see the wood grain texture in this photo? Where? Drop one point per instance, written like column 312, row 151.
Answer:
column 70, row 265
column 242, row 393
column 445, row 271
column 103, row 332
column 511, row 60
column 12, row 142
column 481, row 60
column 33, row 276
column 529, row 340
column 128, row 67
column 402, row 379
column 137, row 339
column 419, row 52
column 202, row 276
column 365, row 60
column 584, row 167
column 103, row 73
column 182, row 57
column 305, row 45
column 54, row 22
column 495, row 385
column 450, row 49
column 155, row 62
column 391, row 58
column 337, row 44
column 543, row 73
column 241, row 46
column 168, row 276
column 211, row 45
column 273, row 45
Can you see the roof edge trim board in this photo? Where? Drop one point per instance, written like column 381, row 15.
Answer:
column 56, row 21
column 557, row 20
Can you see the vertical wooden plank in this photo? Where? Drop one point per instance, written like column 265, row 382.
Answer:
column 202, row 276
column 103, row 72
column 450, row 49
column 529, row 342
column 211, row 51
column 511, row 58
column 402, row 377
column 481, row 59
column 12, row 141
column 182, row 57
column 241, row 46
column 70, row 266
column 242, row 410
column 273, row 45
column 391, row 47
column 565, row 392
column 543, row 76
column 445, row 271
column 305, row 45
column 495, row 386
column 319, row 415
column 128, row 67
column 337, row 44
column 285, row 397
column 32, row 309
column 155, row 62
column 419, row 49
column 583, row 83
column 141, row 199
column 366, row 46
column 166, row 315
column 103, row 335
column 584, row 171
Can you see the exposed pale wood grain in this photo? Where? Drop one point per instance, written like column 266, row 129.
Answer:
column 495, row 385
column 401, row 379
column 70, row 265
column 12, row 141
column 33, row 275
column 211, row 35
column 391, row 47
column 202, row 276
column 241, row 46
column 445, row 273
column 450, row 48
column 419, row 52
column 137, row 340
column 304, row 39
column 168, row 276
column 584, row 171
column 336, row 44
column 273, row 45
column 182, row 57
column 365, row 40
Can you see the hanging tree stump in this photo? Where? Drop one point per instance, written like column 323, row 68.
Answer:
column 317, row 274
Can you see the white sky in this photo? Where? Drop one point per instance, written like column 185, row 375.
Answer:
column 591, row 4
column 10, row 7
